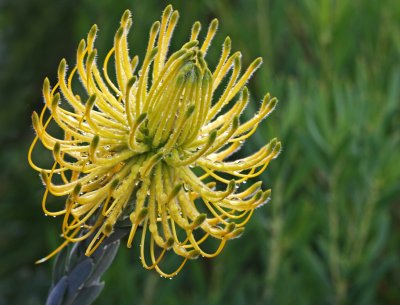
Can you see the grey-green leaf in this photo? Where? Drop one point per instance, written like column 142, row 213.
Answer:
column 59, row 266
column 88, row 294
column 104, row 261
column 78, row 276
column 56, row 295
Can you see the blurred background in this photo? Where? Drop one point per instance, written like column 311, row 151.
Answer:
column 330, row 235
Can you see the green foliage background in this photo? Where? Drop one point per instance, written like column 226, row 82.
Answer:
column 330, row 235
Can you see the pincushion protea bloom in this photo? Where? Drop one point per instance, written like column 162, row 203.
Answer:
column 153, row 145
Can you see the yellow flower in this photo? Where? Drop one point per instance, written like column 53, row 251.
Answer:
column 153, row 144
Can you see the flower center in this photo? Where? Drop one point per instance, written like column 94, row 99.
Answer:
column 175, row 108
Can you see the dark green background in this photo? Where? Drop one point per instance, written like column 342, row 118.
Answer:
column 330, row 235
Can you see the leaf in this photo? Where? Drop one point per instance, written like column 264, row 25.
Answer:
column 88, row 294
column 59, row 266
column 73, row 257
column 56, row 295
column 78, row 276
column 104, row 262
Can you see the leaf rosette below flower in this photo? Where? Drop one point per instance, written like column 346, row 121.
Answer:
column 153, row 144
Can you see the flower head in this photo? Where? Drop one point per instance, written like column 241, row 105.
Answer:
column 153, row 144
